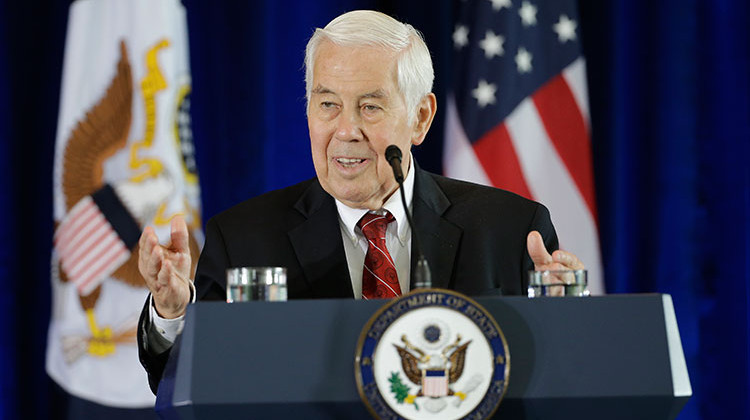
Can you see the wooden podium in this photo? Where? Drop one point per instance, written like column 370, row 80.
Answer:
column 607, row 357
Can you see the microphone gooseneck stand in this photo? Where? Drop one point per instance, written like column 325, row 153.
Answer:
column 422, row 277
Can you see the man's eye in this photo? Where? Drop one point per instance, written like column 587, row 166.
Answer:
column 327, row 105
column 371, row 108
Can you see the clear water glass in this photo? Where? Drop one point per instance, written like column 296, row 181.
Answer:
column 558, row 283
column 246, row 284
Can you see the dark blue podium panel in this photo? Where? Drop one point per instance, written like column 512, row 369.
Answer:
column 613, row 357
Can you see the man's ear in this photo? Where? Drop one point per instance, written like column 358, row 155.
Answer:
column 425, row 114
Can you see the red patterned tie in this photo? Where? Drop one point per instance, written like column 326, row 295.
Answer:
column 379, row 277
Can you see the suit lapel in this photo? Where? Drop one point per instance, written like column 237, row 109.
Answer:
column 318, row 245
column 438, row 237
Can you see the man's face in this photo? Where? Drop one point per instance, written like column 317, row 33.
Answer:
column 355, row 112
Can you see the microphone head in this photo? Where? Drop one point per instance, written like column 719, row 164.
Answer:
column 392, row 152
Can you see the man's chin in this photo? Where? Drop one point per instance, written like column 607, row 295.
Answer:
column 355, row 203
column 359, row 198
column 356, row 199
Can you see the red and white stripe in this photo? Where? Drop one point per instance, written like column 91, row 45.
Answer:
column 435, row 386
column 541, row 151
column 88, row 247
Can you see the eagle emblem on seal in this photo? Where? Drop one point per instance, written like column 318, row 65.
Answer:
column 433, row 372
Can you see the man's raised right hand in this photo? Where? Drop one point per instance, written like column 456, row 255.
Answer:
column 166, row 269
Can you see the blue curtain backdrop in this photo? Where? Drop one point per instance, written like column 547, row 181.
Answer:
column 669, row 85
column 7, row 232
column 31, row 52
column 670, row 104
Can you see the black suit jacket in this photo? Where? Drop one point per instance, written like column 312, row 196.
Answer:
column 474, row 239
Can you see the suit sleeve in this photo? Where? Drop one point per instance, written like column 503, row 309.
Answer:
column 153, row 363
column 210, row 276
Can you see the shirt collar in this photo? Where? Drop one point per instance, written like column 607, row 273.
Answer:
column 350, row 216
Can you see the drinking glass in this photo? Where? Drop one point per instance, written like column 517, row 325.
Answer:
column 558, row 283
column 256, row 283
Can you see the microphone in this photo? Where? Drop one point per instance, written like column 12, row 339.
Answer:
column 393, row 156
column 422, row 276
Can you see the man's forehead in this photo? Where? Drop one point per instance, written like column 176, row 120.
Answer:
column 346, row 48
column 355, row 71
column 334, row 55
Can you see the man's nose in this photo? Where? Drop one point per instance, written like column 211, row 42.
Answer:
column 349, row 126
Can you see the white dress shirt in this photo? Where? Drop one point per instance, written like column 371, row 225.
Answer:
column 397, row 240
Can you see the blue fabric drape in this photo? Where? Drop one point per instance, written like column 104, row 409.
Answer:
column 669, row 93
column 671, row 108
column 32, row 40
column 7, row 233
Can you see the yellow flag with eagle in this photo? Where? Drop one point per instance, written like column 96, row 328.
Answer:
column 124, row 159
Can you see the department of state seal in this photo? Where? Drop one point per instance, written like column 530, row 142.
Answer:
column 432, row 354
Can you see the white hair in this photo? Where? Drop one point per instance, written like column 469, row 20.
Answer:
column 371, row 28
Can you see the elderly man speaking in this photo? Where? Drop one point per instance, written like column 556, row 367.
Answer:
column 369, row 81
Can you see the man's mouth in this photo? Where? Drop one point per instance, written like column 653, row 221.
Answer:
column 349, row 162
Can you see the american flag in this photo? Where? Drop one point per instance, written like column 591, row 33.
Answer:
column 434, row 383
column 94, row 240
column 517, row 117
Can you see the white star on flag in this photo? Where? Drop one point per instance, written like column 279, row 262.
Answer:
column 461, row 36
column 523, row 60
column 492, row 44
column 528, row 14
column 565, row 28
column 484, row 93
column 499, row 4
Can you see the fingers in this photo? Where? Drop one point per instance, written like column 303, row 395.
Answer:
column 179, row 248
column 153, row 264
column 559, row 260
column 179, row 235
column 147, row 240
column 152, row 254
column 149, row 255
column 568, row 260
column 555, row 268
column 168, row 277
column 537, row 251
column 171, row 293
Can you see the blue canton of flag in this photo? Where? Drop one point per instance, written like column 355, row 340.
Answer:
column 517, row 117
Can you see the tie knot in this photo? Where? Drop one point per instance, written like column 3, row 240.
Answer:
column 374, row 225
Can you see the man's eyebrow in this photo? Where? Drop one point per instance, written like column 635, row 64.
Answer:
column 377, row 94
column 321, row 90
